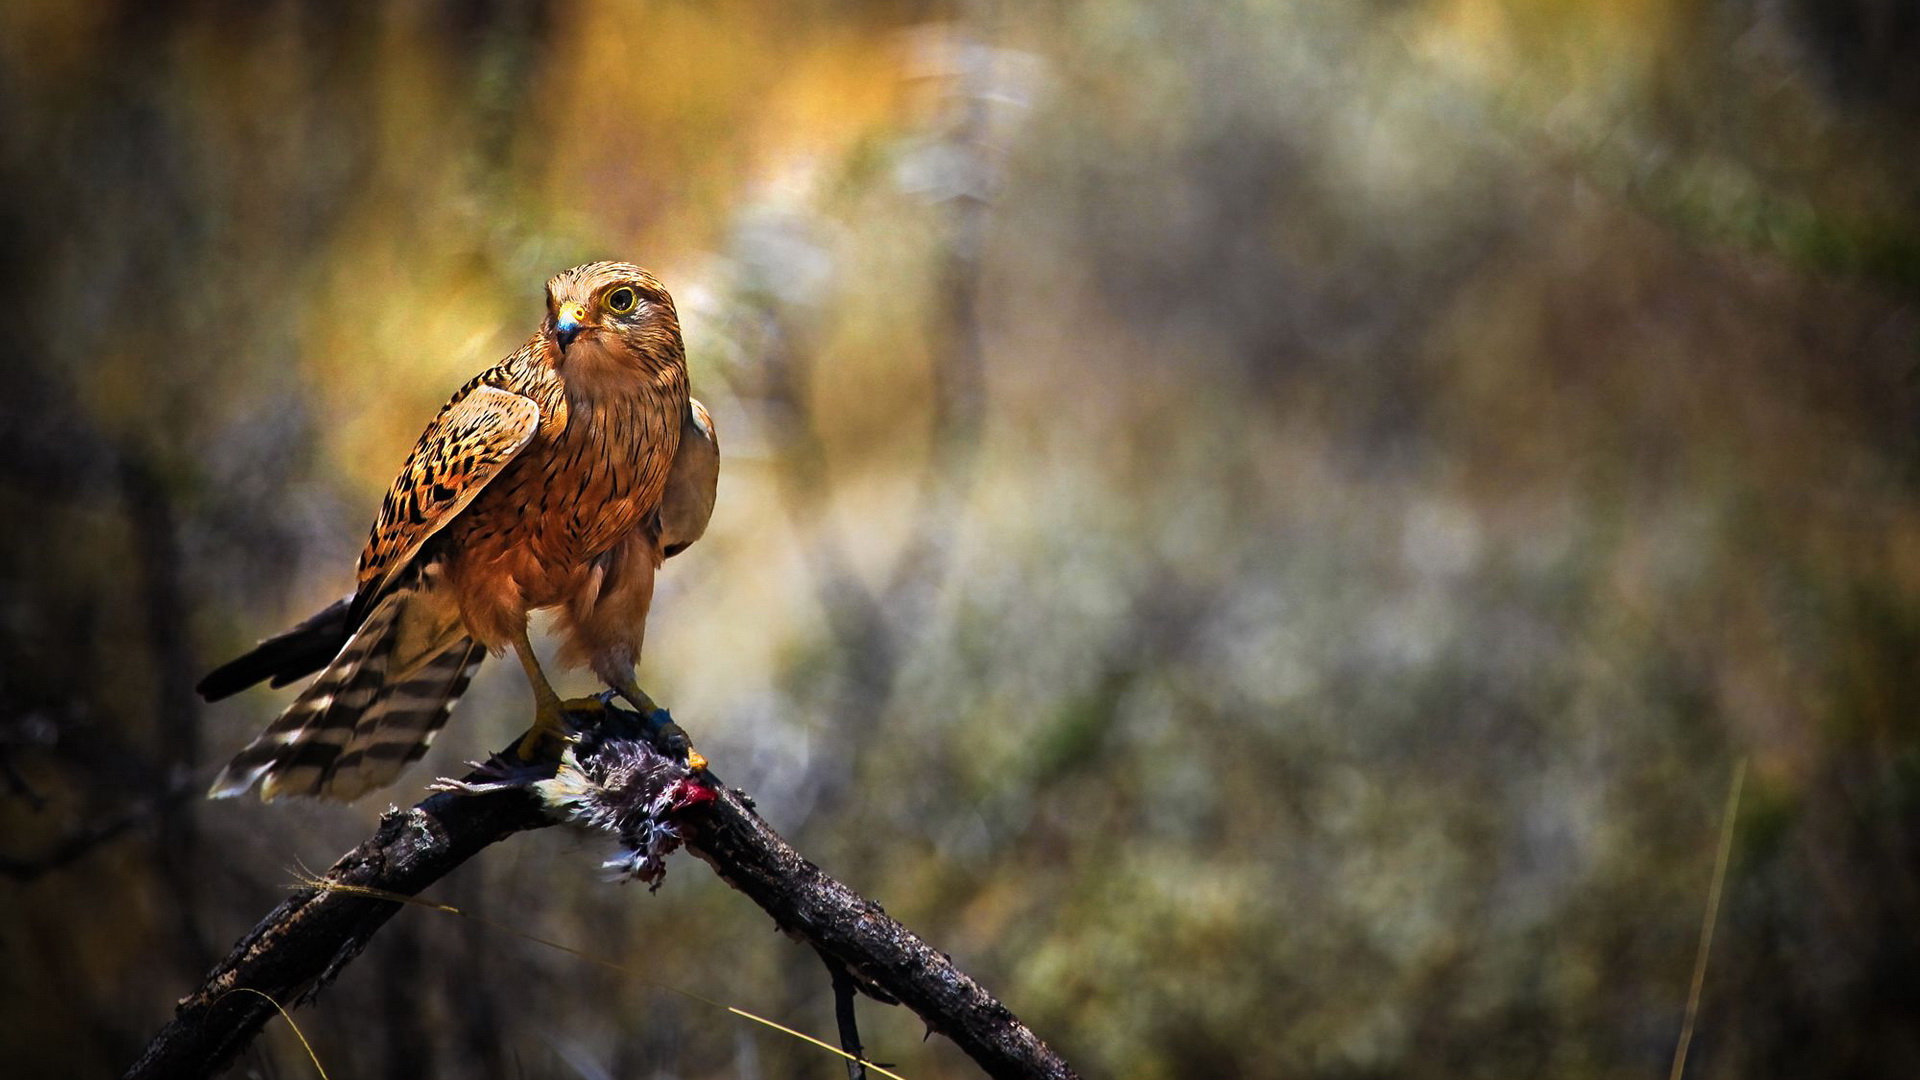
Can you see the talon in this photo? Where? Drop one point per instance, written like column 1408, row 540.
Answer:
column 529, row 747
column 662, row 731
column 547, row 737
column 669, row 736
column 673, row 739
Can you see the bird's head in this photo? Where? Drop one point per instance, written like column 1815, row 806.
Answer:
column 609, row 318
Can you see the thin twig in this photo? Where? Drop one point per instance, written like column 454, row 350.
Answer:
column 845, row 1019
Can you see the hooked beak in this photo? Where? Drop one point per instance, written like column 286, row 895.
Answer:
column 568, row 324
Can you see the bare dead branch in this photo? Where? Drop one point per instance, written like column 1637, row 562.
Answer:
column 612, row 779
column 312, row 935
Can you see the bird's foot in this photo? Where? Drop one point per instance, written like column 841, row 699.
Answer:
column 672, row 738
column 547, row 738
column 666, row 734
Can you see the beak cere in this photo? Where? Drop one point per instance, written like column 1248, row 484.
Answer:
column 567, row 326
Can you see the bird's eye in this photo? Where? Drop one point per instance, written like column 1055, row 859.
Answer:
column 621, row 301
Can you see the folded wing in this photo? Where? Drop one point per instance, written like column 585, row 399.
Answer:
column 467, row 445
column 692, row 483
column 399, row 658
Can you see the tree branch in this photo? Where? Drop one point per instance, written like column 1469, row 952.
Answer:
column 314, row 933
column 808, row 904
column 613, row 778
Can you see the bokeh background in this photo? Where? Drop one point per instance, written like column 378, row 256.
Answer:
column 1263, row 528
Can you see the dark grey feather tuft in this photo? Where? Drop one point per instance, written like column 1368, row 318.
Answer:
column 612, row 779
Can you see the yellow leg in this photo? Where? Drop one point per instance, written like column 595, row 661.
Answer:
column 549, row 722
column 638, row 698
column 635, row 696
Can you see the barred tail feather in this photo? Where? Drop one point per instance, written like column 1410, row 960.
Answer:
column 395, row 731
column 352, row 729
column 306, row 737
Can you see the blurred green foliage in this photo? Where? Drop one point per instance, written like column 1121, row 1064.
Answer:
column 1263, row 528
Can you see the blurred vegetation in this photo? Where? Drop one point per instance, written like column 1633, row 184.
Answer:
column 1262, row 527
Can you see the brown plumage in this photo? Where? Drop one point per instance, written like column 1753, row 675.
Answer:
column 562, row 477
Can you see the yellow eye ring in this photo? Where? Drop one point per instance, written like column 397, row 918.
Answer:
column 622, row 301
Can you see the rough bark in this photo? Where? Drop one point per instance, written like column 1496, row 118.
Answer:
column 808, row 904
column 306, row 941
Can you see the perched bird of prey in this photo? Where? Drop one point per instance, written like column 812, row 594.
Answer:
column 560, row 478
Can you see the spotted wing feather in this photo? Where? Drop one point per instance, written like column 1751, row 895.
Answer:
column 467, row 445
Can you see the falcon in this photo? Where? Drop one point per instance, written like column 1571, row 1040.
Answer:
column 561, row 478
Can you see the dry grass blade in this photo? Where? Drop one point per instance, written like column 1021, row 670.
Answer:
column 288, row 1017
column 1707, row 923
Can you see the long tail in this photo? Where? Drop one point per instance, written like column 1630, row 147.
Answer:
column 361, row 722
column 283, row 658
